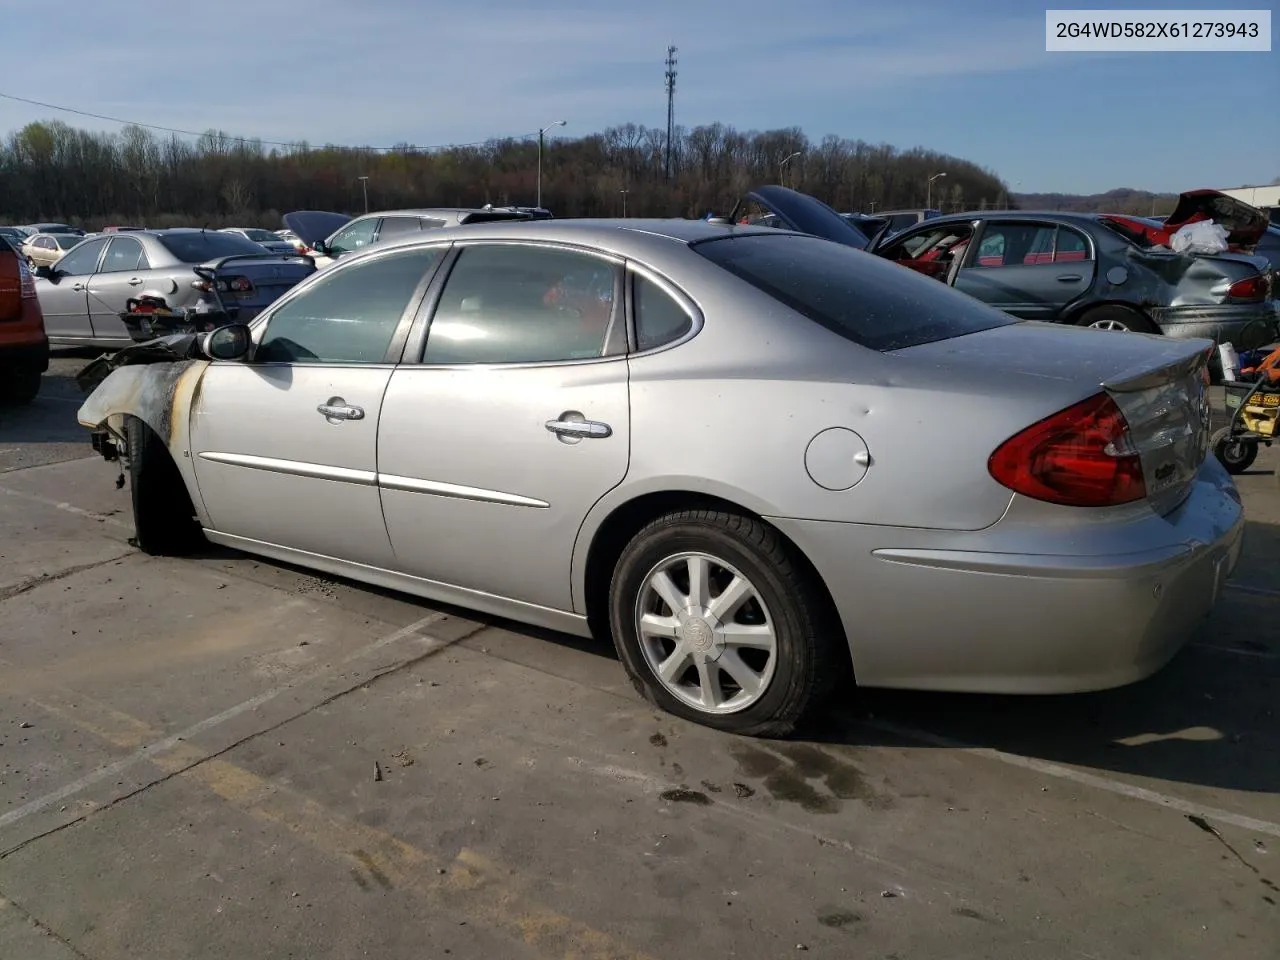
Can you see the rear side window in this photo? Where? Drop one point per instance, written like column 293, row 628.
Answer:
column 349, row 315
column 197, row 247
column 859, row 296
column 659, row 318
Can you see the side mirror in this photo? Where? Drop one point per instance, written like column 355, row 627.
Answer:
column 45, row 272
column 320, row 247
column 231, row 342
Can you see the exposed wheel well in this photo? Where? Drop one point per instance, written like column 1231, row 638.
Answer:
column 627, row 520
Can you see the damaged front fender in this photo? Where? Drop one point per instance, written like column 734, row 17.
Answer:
column 157, row 382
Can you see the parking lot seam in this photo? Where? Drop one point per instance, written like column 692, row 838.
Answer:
column 39, row 580
column 6, row 901
column 167, row 743
column 65, row 507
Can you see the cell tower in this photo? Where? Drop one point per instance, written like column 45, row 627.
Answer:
column 671, row 105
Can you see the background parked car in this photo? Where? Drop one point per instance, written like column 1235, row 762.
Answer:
column 898, row 220
column 16, row 236
column 85, row 292
column 46, row 249
column 1077, row 268
column 377, row 227
column 54, row 228
column 264, row 238
column 24, row 347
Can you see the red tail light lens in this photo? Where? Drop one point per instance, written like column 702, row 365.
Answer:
column 1251, row 288
column 1082, row 456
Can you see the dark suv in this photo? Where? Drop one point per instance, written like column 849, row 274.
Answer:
column 24, row 347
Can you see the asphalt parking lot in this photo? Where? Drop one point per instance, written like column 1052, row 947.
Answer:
column 226, row 757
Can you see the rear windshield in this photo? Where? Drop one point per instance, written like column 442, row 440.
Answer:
column 65, row 240
column 860, row 296
column 259, row 236
column 492, row 217
column 199, row 247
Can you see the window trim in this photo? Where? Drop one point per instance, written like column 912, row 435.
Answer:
column 258, row 325
column 415, row 350
column 686, row 302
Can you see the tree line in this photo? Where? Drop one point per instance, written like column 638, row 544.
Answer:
column 52, row 171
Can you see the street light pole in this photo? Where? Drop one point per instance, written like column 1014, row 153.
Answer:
column 929, row 201
column 624, row 202
column 364, row 186
column 782, row 167
column 558, row 123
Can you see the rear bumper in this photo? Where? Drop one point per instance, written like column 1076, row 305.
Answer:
column 1223, row 323
column 921, row 612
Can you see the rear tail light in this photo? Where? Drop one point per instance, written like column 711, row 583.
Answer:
column 1251, row 288
column 28, row 282
column 1082, row 456
column 225, row 285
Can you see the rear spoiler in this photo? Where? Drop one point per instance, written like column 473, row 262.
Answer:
column 1181, row 359
column 221, row 262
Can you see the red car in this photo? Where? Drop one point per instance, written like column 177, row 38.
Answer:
column 24, row 347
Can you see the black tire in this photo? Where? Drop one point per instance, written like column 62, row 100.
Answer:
column 163, row 518
column 1234, row 454
column 19, row 387
column 1130, row 320
column 809, row 660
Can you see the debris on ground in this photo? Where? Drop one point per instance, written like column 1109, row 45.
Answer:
column 658, row 740
column 403, row 758
column 377, row 770
column 742, row 791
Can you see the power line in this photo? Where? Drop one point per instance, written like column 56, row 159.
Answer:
column 259, row 140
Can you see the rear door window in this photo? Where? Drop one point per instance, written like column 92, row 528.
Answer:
column 861, row 297
column 398, row 227
column 123, row 256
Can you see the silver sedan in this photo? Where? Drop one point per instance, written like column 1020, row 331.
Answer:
column 764, row 464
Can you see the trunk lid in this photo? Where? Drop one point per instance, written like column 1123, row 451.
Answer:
column 1245, row 223
column 1159, row 384
column 802, row 213
column 312, row 225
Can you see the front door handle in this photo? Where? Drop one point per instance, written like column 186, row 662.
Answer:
column 135, row 281
column 335, row 410
column 579, row 428
column 77, row 287
column 1070, row 278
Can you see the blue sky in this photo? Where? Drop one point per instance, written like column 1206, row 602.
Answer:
column 968, row 79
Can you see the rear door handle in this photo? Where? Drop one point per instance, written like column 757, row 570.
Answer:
column 1069, row 277
column 579, row 428
column 335, row 410
column 77, row 287
column 135, row 281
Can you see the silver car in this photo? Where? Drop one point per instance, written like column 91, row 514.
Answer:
column 264, row 238
column 84, row 293
column 765, row 464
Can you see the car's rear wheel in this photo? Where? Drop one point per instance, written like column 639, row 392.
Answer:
column 1235, row 454
column 19, row 387
column 164, row 519
column 1118, row 319
column 717, row 620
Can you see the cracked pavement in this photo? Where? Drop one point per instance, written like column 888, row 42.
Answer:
column 223, row 756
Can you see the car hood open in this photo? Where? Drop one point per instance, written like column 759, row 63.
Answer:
column 1246, row 224
column 805, row 214
column 313, row 225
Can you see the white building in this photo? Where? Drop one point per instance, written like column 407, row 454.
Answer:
column 1261, row 197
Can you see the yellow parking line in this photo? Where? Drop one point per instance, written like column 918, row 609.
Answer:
column 472, row 885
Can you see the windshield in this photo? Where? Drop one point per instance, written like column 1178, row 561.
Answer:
column 197, row 247
column 864, row 298
column 261, row 236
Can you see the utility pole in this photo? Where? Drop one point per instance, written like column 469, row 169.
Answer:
column 671, row 105
column 364, row 186
column 541, row 133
